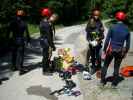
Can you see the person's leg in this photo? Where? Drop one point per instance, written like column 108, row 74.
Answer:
column 88, row 57
column 92, row 55
column 14, row 57
column 45, row 62
column 98, row 57
column 105, row 67
column 21, row 57
column 117, row 62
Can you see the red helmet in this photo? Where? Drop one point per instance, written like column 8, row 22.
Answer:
column 20, row 13
column 46, row 12
column 120, row 16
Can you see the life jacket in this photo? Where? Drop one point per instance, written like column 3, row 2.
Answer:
column 127, row 71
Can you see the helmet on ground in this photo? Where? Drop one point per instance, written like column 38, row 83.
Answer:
column 20, row 13
column 46, row 12
column 120, row 16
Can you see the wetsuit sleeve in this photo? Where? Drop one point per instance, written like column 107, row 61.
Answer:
column 128, row 42
column 87, row 29
column 101, row 31
column 27, row 34
column 53, row 30
column 51, row 42
column 10, row 29
column 107, row 39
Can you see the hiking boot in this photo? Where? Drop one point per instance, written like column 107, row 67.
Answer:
column 14, row 68
column 0, row 82
column 114, row 86
column 23, row 71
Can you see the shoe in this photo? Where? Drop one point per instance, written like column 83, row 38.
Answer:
column 114, row 86
column 23, row 71
column 0, row 82
column 101, row 84
column 93, row 71
column 13, row 68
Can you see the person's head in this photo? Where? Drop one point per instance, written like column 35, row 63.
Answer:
column 53, row 18
column 120, row 16
column 96, row 13
column 46, row 13
column 20, row 13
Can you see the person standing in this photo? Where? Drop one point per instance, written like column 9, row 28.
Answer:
column 95, row 35
column 18, row 28
column 116, row 46
column 46, row 39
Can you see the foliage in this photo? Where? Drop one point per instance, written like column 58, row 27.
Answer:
column 69, row 11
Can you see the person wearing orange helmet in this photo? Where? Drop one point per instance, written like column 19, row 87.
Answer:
column 94, row 30
column 54, row 17
column 19, row 28
column 116, row 46
column 46, row 38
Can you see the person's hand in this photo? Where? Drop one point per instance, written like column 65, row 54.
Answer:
column 94, row 43
column 103, row 56
column 54, row 48
column 97, row 39
column 29, row 45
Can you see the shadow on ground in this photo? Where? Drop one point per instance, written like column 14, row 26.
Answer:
column 32, row 53
column 41, row 91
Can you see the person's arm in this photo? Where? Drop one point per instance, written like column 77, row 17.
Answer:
column 9, row 31
column 53, row 30
column 108, row 38
column 101, row 31
column 27, row 34
column 128, row 40
column 87, row 29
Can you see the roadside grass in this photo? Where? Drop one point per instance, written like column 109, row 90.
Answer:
column 110, row 23
column 34, row 28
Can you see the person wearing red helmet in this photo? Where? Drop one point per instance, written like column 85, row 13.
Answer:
column 46, row 38
column 46, row 12
column 116, row 46
column 120, row 16
column 94, row 30
column 19, row 29
column 20, row 13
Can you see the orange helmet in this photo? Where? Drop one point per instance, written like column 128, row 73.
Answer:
column 96, row 13
column 46, row 12
column 20, row 13
column 120, row 16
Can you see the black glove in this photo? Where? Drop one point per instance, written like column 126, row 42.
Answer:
column 54, row 48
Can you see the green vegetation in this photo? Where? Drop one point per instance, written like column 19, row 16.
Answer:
column 69, row 11
column 33, row 28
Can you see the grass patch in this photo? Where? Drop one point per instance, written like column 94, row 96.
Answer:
column 110, row 23
column 33, row 28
